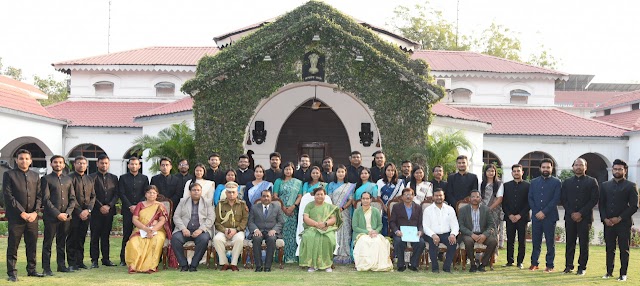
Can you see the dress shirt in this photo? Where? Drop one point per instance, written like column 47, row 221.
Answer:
column 579, row 194
column 21, row 192
column 58, row 195
column 194, row 222
column 437, row 220
column 328, row 176
column 475, row 218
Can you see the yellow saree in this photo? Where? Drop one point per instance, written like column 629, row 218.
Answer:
column 143, row 254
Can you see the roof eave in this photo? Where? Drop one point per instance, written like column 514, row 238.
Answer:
column 67, row 68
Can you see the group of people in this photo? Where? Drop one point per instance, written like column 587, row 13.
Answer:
column 322, row 216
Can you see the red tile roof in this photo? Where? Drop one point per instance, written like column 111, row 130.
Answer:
column 621, row 100
column 101, row 114
column 174, row 56
column 526, row 121
column 16, row 95
column 471, row 61
column 585, row 99
column 441, row 109
column 629, row 119
column 185, row 104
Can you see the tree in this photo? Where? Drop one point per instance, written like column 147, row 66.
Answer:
column 175, row 142
column 441, row 148
column 544, row 59
column 498, row 41
column 10, row 71
column 56, row 90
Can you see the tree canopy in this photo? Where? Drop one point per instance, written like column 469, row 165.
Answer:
column 56, row 90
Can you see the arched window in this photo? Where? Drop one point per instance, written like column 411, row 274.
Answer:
column 165, row 89
column 531, row 164
column 461, row 95
column 133, row 151
column 519, row 96
column 91, row 152
column 103, row 88
column 489, row 157
column 38, row 159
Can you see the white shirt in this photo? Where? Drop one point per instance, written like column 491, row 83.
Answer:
column 440, row 220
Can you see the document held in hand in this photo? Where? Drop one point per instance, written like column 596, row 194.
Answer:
column 409, row 233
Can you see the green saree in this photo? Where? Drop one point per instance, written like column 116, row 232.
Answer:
column 317, row 246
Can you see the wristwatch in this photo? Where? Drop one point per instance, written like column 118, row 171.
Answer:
column 326, row 224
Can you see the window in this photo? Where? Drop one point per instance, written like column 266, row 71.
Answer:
column 38, row 159
column 316, row 151
column 461, row 95
column 489, row 157
column 103, row 88
column 531, row 164
column 607, row 112
column 635, row 106
column 519, row 96
column 91, row 152
column 165, row 89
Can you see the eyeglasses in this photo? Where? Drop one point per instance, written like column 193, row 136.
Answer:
column 618, row 169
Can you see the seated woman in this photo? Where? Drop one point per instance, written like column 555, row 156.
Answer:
column 371, row 249
column 321, row 220
column 151, row 221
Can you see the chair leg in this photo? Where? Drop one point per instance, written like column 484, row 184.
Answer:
column 164, row 258
column 281, row 257
column 463, row 258
column 208, row 262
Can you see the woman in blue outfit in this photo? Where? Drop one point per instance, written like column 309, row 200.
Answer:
column 220, row 194
column 365, row 185
column 390, row 187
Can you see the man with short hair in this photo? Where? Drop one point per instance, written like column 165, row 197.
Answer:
column 245, row 174
column 194, row 218
column 476, row 226
column 215, row 173
column 406, row 169
column 183, row 175
column 83, row 185
column 106, row 189
column 353, row 170
column 544, row 196
column 408, row 213
column 438, row 176
column 59, row 201
column 266, row 220
column 131, row 187
column 578, row 195
column 460, row 184
column 440, row 226
column 327, row 170
column 377, row 171
column 303, row 174
column 23, row 198
column 231, row 220
column 515, row 204
column 274, row 172
column 168, row 185
column 618, row 203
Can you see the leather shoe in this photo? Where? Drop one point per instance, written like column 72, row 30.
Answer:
column 94, row 264
column 413, row 268
column 234, row 268
column 73, row 268
column 193, row 268
column 473, row 268
column 35, row 274
column 65, row 269
column 267, row 270
column 533, row 268
column 108, row 263
column 258, row 269
column 567, row 270
column 482, row 268
column 184, row 268
column 402, row 268
column 122, row 263
column 12, row 278
column 225, row 267
column 47, row 273
column 82, row 266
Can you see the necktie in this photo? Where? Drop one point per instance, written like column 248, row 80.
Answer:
column 266, row 210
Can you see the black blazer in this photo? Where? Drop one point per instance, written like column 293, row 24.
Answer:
column 58, row 196
column 399, row 217
column 83, row 187
column 618, row 199
column 106, row 189
column 579, row 195
column 21, row 192
column 168, row 187
column 515, row 200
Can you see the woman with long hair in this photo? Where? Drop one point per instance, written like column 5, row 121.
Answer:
column 491, row 190
column 287, row 189
column 341, row 193
column 420, row 184
column 364, row 184
column 220, row 194
column 253, row 189
column 390, row 187
column 208, row 187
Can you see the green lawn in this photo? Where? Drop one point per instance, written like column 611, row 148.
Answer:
column 343, row 275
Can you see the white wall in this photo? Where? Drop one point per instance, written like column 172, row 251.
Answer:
column 153, row 125
column 47, row 134
column 496, row 91
column 634, row 157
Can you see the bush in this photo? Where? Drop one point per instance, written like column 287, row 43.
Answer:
column 117, row 223
column 4, row 228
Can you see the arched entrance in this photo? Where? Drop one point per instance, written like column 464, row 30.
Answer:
column 91, row 152
column 316, row 132
column 531, row 164
column 596, row 167
column 39, row 151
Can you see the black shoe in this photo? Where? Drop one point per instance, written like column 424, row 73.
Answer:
column 108, row 263
column 259, row 269
column 510, row 264
column 402, row 268
column 482, row 268
column 473, row 268
column 94, row 264
column 567, row 270
column 184, row 268
column 413, row 268
column 12, row 278
column 520, row 265
column 35, row 274
column 581, row 272
column 122, row 263
column 65, row 269
column 193, row 268
column 267, row 270
column 82, row 266
column 47, row 273
column 447, row 271
column 74, row 268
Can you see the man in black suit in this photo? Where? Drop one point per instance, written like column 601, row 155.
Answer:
column 273, row 173
column 59, row 202
column 83, row 185
column 304, row 174
column 578, row 195
column 245, row 174
column 460, row 184
column 215, row 173
column 265, row 224
column 183, row 175
column 353, row 170
column 407, row 213
column 131, row 188
column 618, row 203
column 22, row 197
column 106, row 189
column 476, row 226
column 168, row 185
column 515, row 204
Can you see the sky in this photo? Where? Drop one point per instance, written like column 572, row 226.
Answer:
column 587, row 37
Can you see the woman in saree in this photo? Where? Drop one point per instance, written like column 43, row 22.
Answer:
column 220, row 194
column 371, row 248
column 341, row 193
column 321, row 220
column 365, row 184
column 316, row 181
column 287, row 189
column 208, row 187
column 492, row 190
column 151, row 221
column 253, row 190
column 390, row 187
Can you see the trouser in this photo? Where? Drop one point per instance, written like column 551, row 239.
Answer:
column 270, row 241
column 75, row 241
column 399, row 246
column 435, row 249
column 548, row 228
column 580, row 231
column 491, row 242
column 622, row 233
column 520, row 227
column 16, row 229
column 100, row 229
column 218, row 243
column 58, row 230
column 127, row 229
column 177, row 242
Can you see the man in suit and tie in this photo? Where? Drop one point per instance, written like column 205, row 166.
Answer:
column 265, row 223
column 407, row 213
column 476, row 226
column 194, row 217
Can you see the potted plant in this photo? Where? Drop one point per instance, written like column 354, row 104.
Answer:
column 528, row 233
column 559, row 233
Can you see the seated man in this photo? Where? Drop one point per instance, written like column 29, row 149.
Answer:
column 231, row 220
column 440, row 226
column 193, row 218
column 476, row 226
column 265, row 223
column 406, row 214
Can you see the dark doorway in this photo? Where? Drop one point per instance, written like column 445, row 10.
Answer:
column 317, row 132
column 596, row 167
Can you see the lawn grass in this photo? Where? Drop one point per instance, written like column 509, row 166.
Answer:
column 343, row 275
